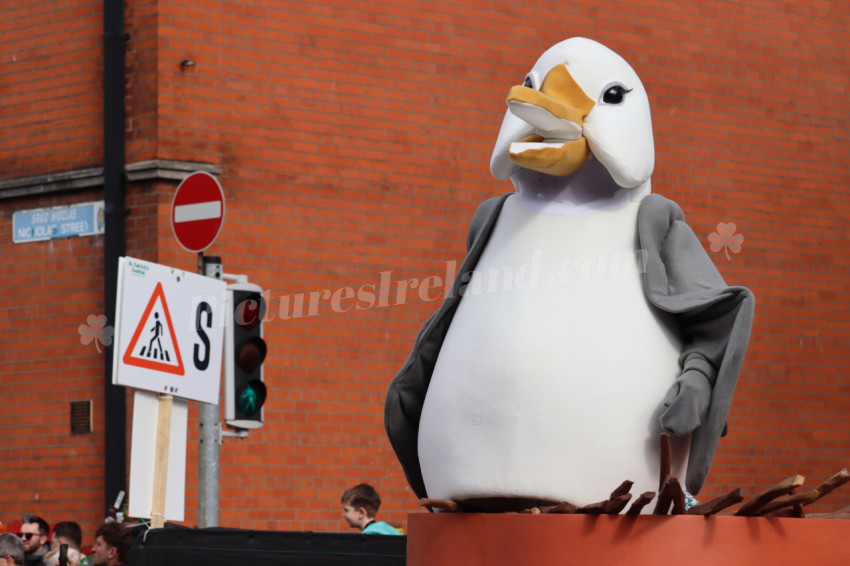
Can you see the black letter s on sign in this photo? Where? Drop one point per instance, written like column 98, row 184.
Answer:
column 203, row 308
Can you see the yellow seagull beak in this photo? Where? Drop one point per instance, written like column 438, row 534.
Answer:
column 556, row 112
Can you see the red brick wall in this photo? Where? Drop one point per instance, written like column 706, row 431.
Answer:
column 52, row 74
column 50, row 289
column 354, row 140
column 141, row 80
column 50, row 107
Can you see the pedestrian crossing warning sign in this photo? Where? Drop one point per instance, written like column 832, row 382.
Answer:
column 169, row 331
column 154, row 344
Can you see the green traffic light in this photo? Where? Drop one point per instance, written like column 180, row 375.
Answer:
column 251, row 397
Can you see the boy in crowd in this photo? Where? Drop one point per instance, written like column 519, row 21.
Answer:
column 360, row 505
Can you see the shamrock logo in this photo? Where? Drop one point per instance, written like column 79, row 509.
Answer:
column 726, row 238
column 96, row 331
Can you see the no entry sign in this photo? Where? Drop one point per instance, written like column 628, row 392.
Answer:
column 197, row 211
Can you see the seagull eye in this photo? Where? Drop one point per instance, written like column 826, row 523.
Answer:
column 615, row 95
column 527, row 82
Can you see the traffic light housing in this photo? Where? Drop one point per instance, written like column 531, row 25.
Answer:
column 245, row 351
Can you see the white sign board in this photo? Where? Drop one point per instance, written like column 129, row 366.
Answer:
column 143, row 455
column 169, row 326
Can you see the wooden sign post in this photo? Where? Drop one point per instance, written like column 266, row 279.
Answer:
column 160, row 474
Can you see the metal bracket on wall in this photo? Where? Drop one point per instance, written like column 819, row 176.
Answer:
column 235, row 433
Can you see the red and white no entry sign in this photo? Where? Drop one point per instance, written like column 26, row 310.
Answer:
column 197, row 211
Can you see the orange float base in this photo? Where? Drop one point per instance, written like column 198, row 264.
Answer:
column 472, row 539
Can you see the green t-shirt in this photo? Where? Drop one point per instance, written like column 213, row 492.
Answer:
column 380, row 528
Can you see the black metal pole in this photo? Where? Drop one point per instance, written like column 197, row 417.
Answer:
column 114, row 400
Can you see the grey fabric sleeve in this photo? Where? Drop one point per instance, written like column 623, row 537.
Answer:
column 715, row 319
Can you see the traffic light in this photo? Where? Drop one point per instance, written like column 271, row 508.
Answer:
column 245, row 351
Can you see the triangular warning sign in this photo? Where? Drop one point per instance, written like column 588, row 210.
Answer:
column 158, row 350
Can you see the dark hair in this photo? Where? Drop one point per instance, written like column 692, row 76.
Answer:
column 116, row 535
column 70, row 531
column 12, row 546
column 43, row 527
column 363, row 495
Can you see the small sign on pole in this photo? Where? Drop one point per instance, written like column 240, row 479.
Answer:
column 197, row 211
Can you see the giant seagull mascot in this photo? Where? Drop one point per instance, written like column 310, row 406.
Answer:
column 585, row 320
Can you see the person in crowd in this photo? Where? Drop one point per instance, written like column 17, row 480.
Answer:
column 359, row 506
column 52, row 557
column 11, row 550
column 111, row 545
column 34, row 531
column 70, row 533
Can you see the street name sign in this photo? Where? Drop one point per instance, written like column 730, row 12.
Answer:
column 39, row 224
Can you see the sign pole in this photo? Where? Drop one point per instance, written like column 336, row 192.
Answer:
column 160, row 473
column 197, row 215
column 209, row 436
